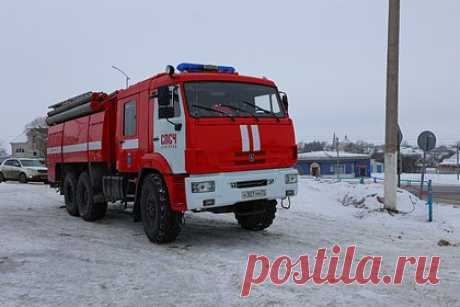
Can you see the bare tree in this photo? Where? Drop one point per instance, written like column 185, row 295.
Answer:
column 312, row 146
column 37, row 131
column 3, row 152
column 39, row 122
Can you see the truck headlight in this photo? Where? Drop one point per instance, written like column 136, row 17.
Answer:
column 203, row 187
column 291, row 178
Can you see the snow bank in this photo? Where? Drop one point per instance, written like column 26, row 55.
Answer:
column 364, row 203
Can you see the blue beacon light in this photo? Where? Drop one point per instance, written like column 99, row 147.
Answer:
column 191, row 67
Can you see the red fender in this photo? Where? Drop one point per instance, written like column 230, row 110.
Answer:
column 174, row 183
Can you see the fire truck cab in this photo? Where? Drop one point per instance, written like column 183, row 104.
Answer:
column 201, row 139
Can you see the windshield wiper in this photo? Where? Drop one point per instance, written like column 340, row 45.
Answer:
column 240, row 110
column 213, row 110
column 261, row 109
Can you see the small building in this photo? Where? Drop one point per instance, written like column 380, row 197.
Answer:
column 328, row 163
column 376, row 167
column 411, row 159
column 30, row 144
column 449, row 166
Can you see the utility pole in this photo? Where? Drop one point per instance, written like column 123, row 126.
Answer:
column 458, row 168
column 391, row 118
column 336, row 143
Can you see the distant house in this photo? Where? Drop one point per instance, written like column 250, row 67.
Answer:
column 327, row 163
column 448, row 166
column 411, row 159
column 376, row 166
column 30, row 144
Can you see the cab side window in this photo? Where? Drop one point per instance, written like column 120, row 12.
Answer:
column 129, row 121
column 268, row 102
column 168, row 102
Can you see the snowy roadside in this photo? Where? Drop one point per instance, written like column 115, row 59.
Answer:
column 49, row 258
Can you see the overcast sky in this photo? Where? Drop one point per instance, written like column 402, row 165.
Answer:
column 328, row 55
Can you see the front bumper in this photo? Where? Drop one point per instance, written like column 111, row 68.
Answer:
column 38, row 177
column 230, row 188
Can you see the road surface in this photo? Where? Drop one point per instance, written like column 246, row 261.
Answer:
column 449, row 194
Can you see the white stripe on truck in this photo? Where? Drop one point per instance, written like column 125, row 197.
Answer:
column 245, row 145
column 244, row 138
column 75, row 148
column 255, row 137
column 53, row 150
column 130, row 144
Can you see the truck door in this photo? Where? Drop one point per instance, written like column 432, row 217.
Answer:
column 169, row 127
column 127, row 135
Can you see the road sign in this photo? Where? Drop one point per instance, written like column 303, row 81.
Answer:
column 426, row 140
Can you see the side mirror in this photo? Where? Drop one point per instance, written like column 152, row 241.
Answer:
column 284, row 100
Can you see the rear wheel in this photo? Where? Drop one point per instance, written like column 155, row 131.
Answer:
column 89, row 210
column 2, row 178
column 161, row 224
column 70, row 194
column 256, row 216
column 22, row 178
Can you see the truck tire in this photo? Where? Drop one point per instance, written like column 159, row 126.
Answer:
column 161, row 224
column 22, row 178
column 70, row 194
column 89, row 210
column 257, row 216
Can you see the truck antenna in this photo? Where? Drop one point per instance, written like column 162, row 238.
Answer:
column 124, row 74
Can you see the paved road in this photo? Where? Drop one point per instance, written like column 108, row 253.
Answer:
column 449, row 194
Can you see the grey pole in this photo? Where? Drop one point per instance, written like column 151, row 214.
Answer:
column 123, row 73
column 391, row 118
column 458, row 170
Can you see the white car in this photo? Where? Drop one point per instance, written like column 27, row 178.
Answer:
column 23, row 170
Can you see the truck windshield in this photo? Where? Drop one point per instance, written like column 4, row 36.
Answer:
column 232, row 99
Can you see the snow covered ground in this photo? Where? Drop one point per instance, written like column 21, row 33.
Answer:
column 48, row 258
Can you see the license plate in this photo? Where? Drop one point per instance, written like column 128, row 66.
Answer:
column 253, row 194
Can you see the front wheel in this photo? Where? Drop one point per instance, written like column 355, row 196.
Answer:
column 2, row 178
column 161, row 224
column 256, row 216
column 22, row 178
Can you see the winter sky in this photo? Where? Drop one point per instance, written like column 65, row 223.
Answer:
column 328, row 55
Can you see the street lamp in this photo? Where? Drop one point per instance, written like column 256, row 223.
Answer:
column 124, row 74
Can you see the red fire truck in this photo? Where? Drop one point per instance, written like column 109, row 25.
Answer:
column 202, row 138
